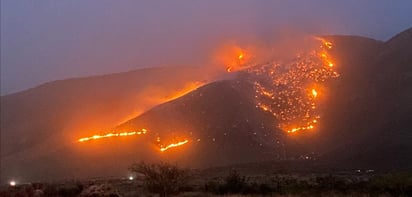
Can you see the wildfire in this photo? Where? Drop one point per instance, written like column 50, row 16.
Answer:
column 284, row 90
column 301, row 128
column 325, row 43
column 130, row 133
column 173, row 145
column 281, row 89
column 239, row 63
column 234, row 57
column 108, row 135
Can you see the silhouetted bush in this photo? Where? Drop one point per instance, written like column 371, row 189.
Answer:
column 161, row 178
column 235, row 183
column 394, row 184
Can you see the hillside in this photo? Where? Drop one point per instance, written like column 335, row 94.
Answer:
column 38, row 122
column 375, row 110
column 364, row 115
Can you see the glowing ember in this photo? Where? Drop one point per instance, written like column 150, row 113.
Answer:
column 173, row 145
column 108, row 135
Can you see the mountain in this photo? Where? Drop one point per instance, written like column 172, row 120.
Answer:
column 38, row 122
column 222, row 123
column 369, row 119
column 364, row 122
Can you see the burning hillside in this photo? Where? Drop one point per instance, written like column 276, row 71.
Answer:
column 329, row 100
column 289, row 91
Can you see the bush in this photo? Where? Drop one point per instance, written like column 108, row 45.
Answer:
column 162, row 178
column 235, row 183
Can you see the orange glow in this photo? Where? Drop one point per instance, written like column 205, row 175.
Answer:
column 327, row 60
column 328, row 44
column 264, row 108
column 289, row 90
column 325, row 43
column 108, row 135
column 233, row 57
column 173, row 145
column 240, row 56
column 314, row 93
column 188, row 88
column 301, row 128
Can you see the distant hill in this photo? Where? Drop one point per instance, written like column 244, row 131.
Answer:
column 365, row 122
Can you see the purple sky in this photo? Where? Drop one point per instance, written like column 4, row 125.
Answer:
column 43, row 41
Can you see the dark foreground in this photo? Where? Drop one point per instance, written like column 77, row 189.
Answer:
column 232, row 181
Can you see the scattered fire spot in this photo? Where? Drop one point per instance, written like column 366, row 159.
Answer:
column 281, row 88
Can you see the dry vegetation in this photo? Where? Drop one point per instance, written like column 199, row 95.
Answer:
column 163, row 179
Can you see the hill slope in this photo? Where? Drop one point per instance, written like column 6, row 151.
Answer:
column 365, row 121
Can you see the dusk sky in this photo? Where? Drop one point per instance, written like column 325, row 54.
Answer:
column 42, row 41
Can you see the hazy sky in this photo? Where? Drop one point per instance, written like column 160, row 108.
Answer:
column 43, row 41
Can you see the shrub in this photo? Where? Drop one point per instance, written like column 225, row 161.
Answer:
column 161, row 178
column 235, row 183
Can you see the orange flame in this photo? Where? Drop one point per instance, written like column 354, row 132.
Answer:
column 301, row 128
column 108, row 135
column 325, row 43
column 314, row 93
column 173, row 145
column 240, row 57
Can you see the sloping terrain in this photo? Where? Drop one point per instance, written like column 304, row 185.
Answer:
column 222, row 124
column 364, row 124
column 370, row 120
column 365, row 120
column 38, row 122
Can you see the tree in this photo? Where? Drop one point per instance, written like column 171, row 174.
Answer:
column 162, row 178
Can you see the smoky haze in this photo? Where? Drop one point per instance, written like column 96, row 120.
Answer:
column 43, row 41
